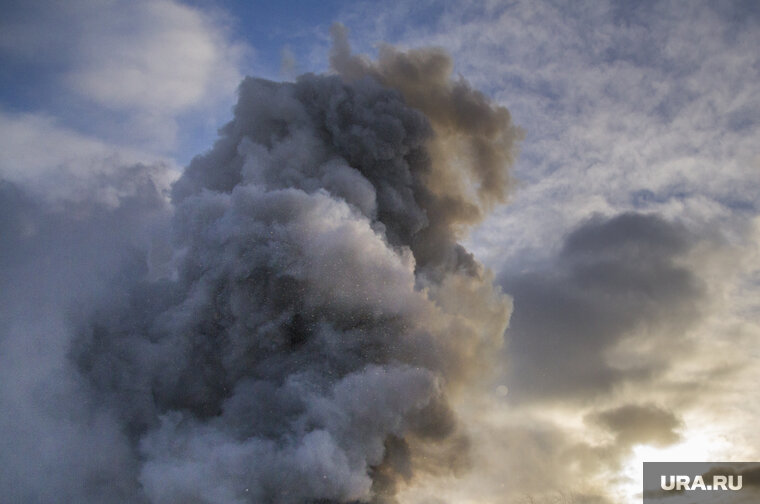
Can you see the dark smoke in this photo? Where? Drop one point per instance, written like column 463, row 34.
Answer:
column 320, row 318
column 473, row 143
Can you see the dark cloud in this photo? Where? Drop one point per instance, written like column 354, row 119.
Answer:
column 473, row 139
column 750, row 475
column 294, row 334
column 613, row 279
column 639, row 424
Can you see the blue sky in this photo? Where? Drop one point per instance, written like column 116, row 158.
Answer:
column 644, row 108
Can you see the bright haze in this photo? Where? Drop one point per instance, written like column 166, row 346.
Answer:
column 375, row 252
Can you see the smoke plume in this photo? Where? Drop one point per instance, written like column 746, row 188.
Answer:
column 319, row 318
column 474, row 139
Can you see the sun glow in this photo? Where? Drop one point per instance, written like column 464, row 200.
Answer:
column 698, row 446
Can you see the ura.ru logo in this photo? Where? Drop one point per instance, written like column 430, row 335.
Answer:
column 682, row 482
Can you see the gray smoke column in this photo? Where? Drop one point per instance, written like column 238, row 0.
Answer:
column 321, row 315
column 474, row 139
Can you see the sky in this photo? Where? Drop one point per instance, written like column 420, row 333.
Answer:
column 580, row 250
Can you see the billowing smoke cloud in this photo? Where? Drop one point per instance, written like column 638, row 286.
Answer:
column 319, row 317
column 59, row 257
column 473, row 139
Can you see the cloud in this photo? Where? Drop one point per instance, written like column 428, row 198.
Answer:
column 639, row 423
column 458, row 113
column 141, row 63
column 613, row 101
column 613, row 279
column 59, row 164
column 472, row 141
column 750, row 475
column 612, row 348
column 327, row 221
column 55, row 260
column 153, row 56
column 631, row 112
column 280, row 332
column 521, row 457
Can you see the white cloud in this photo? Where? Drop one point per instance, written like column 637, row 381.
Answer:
column 157, row 55
column 60, row 164
column 137, row 68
